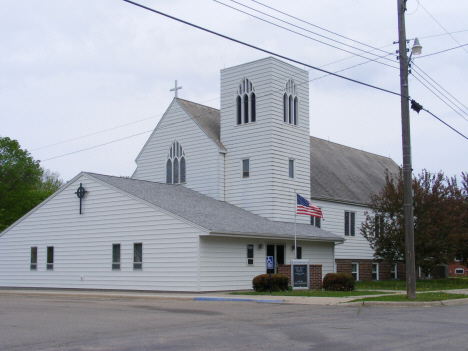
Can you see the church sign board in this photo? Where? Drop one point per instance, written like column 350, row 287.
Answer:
column 300, row 274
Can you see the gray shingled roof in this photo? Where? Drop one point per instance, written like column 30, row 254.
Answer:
column 208, row 119
column 342, row 173
column 216, row 216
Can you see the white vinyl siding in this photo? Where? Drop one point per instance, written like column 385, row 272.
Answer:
column 354, row 247
column 268, row 143
column 82, row 244
column 223, row 260
column 202, row 156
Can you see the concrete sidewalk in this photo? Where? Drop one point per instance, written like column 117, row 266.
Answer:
column 225, row 296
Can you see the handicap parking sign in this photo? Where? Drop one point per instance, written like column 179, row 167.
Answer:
column 269, row 262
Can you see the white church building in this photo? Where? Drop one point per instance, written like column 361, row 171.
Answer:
column 213, row 194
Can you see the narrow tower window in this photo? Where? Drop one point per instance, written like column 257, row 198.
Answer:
column 176, row 164
column 245, row 106
column 290, row 103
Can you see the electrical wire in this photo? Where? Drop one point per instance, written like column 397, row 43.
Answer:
column 291, row 24
column 433, row 115
column 260, row 49
column 453, row 97
column 311, row 24
column 93, row 147
column 458, row 113
column 439, row 52
column 443, row 27
column 439, row 35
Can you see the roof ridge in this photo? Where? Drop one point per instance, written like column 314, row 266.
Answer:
column 196, row 103
column 350, row 147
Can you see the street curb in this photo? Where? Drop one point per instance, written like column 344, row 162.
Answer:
column 235, row 299
column 454, row 302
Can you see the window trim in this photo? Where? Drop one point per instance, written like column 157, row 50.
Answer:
column 33, row 265
column 459, row 269
column 116, row 264
column 137, row 265
column 243, row 176
column 250, row 260
column 375, row 264
column 394, row 272
column 316, row 221
column 291, row 161
column 50, row 265
column 357, row 270
column 350, row 227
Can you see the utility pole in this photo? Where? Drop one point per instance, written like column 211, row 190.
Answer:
column 407, row 167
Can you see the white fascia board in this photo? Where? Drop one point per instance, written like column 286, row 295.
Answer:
column 171, row 214
column 199, row 126
column 270, row 236
column 154, row 131
column 62, row 188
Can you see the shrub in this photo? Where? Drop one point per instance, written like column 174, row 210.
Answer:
column 338, row 282
column 279, row 282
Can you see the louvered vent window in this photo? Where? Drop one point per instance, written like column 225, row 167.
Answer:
column 175, row 164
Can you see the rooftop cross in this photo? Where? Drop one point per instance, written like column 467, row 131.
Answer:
column 176, row 88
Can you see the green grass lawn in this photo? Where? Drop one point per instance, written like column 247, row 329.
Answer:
column 314, row 293
column 421, row 284
column 420, row 297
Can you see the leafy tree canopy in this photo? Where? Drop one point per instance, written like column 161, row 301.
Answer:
column 23, row 183
column 440, row 220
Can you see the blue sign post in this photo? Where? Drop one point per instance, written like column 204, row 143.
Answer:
column 269, row 265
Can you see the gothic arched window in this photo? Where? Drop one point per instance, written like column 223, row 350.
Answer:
column 245, row 103
column 290, row 103
column 175, row 164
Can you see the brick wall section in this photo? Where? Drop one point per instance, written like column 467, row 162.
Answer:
column 315, row 274
column 365, row 269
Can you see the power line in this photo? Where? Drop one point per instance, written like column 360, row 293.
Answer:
column 436, row 94
column 442, row 27
column 311, row 24
column 260, row 49
column 439, row 35
column 453, row 97
column 433, row 115
column 92, row 147
column 291, row 24
column 439, row 52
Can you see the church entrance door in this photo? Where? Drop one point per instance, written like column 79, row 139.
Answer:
column 277, row 251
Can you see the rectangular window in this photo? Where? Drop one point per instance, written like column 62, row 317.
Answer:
column 375, row 271
column 291, row 168
column 246, row 168
column 315, row 221
column 355, row 270
column 459, row 271
column 250, row 254
column 379, row 225
column 50, row 258
column 299, row 253
column 350, row 224
column 137, row 256
column 393, row 272
column 116, row 256
column 33, row 258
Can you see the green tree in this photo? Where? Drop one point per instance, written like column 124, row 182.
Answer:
column 439, row 220
column 23, row 183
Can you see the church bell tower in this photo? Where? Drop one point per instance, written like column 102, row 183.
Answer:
column 265, row 129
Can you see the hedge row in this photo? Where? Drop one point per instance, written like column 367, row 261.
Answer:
column 338, row 282
column 279, row 282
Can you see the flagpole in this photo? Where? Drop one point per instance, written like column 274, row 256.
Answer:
column 295, row 213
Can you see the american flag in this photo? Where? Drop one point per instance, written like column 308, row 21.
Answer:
column 304, row 207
